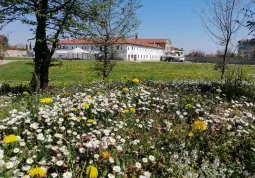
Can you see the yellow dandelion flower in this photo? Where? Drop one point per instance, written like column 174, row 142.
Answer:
column 200, row 125
column 136, row 80
column 69, row 118
column 90, row 121
column 190, row 134
column 46, row 100
column 86, row 105
column 37, row 172
column 105, row 154
column 10, row 139
column 125, row 89
column 126, row 110
column 132, row 110
column 92, row 172
column 78, row 118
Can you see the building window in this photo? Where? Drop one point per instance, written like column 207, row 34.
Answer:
column 82, row 47
column 118, row 47
column 92, row 48
column 72, row 47
column 121, row 47
column 132, row 56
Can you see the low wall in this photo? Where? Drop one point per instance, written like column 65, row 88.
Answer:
column 236, row 60
column 16, row 53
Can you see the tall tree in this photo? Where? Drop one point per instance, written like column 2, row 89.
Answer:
column 222, row 20
column 3, row 45
column 50, row 21
column 115, row 23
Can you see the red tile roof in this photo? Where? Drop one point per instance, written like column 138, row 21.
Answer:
column 246, row 40
column 153, row 40
column 138, row 42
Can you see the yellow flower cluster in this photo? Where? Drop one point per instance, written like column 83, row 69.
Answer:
column 127, row 110
column 105, row 154
column 10, row 138
column 190, row 134
column 37, row 172
column 136, row 80
column 125, row 89
column 92, row 172
column 86, row 105
column 90, row 121
column 46, row 100
column 200, row 125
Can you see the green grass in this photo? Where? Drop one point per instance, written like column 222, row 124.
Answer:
column 17, row 58
column 74, row 72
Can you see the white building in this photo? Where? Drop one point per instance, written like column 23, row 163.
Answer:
column 128, row 50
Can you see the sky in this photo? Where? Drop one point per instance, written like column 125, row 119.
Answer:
column 176, row 20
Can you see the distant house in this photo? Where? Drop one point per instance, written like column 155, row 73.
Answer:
column 128, row 49
column 247, row 48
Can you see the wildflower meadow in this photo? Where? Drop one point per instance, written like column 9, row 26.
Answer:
column 128, row 130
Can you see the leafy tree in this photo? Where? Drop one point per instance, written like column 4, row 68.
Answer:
column 3, row 45
column 222, row 20
column 50, row 20
column 115, row 22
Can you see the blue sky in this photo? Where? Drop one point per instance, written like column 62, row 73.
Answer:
column 172, row 19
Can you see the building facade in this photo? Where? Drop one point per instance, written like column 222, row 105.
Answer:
column 128, row 49
column 246, row 48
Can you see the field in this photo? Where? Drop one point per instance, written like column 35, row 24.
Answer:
column 75, row 72
column 136, row 128
column 129, row 130
column 18, row 58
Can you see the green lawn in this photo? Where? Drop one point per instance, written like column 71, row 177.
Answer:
column 17, row 58
column 74, row 72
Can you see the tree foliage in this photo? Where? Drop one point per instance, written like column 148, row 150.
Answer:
column 3, row 45
column 49, row 20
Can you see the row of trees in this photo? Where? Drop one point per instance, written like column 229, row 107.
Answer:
column 51, row 20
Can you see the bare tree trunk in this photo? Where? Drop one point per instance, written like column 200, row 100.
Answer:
column 105, row 62
column 42, row 52
column 224, row 60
